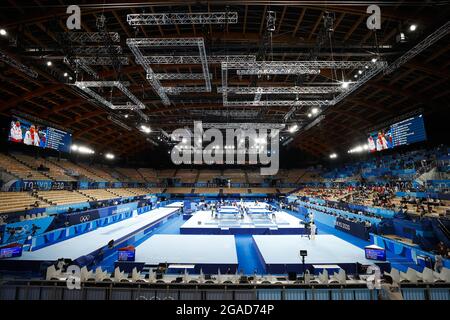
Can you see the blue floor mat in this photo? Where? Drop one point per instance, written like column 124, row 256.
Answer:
column 247, row 255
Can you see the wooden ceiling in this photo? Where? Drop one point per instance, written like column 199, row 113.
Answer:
column 422, row 82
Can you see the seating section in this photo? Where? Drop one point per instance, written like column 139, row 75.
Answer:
column 235, row 175
column 79, row 171
column 18, row 201
column 122, row 192
column 206, row 190
column 264, row 190
column 98, row 194
column 100, row 172
column 21, row 171
column 187, row 176
column 148, row 174
column 255, row 177
column 54, row 172
column 130, row 175
column 61, row 197
column 234, row 190
column 208, row 175
column 179, row 190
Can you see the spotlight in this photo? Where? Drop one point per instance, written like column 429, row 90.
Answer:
column 360, row 71
column 49, row 63
column 109, row 156
column 74, row 147
column 374, row 60
column 145, row 129
column 345, row 84
column 315, row 111
column 293, row 128
column 3, row 32
column 309, row 115
column 412, row 27
column 126, row 116
column 355, row 76
column 333, row 156
column 66, row 74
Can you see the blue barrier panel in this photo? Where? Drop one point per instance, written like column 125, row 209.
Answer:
column 356, row 229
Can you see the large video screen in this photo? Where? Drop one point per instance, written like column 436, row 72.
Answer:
column 405, row 132
column 33, row 134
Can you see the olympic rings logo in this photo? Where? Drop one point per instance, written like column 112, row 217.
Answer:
column 85, row 218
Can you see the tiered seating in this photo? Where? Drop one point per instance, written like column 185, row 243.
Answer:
column 187, row 176
column 132, row 174
column 208, row 175
column 286, row 190
column 100, row 172
column 294, row 175
column 61, row 197
column 98, row 194
column 206, row 190
column 264, row 190
column 148, row 174
column 234, row 190
column 179, row 190
column 55, row 172
column 122, row 192
column 139, row 191
column 14, row 167
column 255, row 177
column 18, row 201
column 79, row 171
column 235, row 175
column 166, row 174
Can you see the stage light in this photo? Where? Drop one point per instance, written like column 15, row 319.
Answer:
column 412, row 27
column 184, row 140
column 345, row 84
column 309, row 115
column 360, row 71
column 293, row 128
column 49, row 63
column 126, row 116
column 315, row 110
column 84, row 150
column 333, row 156
column 70, row 78
column 355, row 76
column 66, row 74
column 3, row 32
column 109, row 156
column 145, row 129
column 74, row 147
column 367, row 67
column 374, row 60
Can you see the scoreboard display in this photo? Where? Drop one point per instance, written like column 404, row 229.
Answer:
column 33, row 134
column 401, row 133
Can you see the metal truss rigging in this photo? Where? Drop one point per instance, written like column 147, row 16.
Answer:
column 86, row 37
column 178, row 76
column 283, row 90
column 6, row 58
column 278, row 103
column 101, row 61
column 95, row 50
column 178, row 90
column 424, row 44
column 182, row 18
column 137, row 104
column 235, row 114
column 244, row 126
column 136, row 43
column 196, row 59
